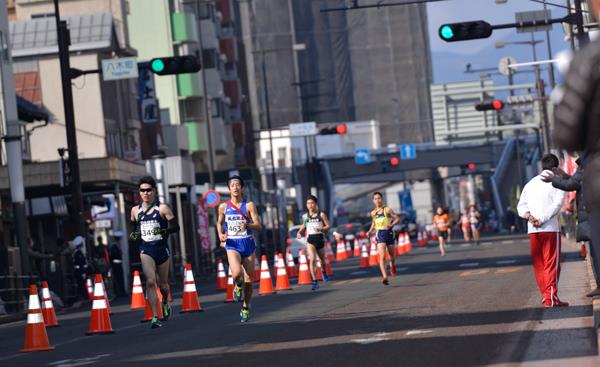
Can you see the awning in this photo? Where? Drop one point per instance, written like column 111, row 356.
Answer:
column 29, row 112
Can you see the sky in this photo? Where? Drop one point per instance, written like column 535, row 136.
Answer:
column 449, row 59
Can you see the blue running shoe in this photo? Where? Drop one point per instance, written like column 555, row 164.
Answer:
column 325, row 277
column 245, row 314
column 237, row 293
column 315, row 285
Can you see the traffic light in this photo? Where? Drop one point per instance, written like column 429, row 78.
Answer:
column 466, row 169
column 174, row 65
column 495, row 105
column 339, row 129
column 390, row 163
column 465, row 31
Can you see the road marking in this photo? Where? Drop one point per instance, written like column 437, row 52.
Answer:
column 359, row 272
column 468, row 265
column 474, row 272
column 78, row 362
column 418, row 332
column 342, row 282
column 508, row 270
column 486, row 243
column 379, row 337
column 402, row 268
column 508, row 242
column 505, row 262
column 464, row 245
column 354, row 281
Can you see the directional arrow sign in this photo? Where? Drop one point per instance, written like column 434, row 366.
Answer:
column 408, row 151
column 362, row 156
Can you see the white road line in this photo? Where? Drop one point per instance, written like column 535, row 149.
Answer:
column 465, row 245
column 504, row 262
column 359, row 272
column 468, row 265
column 402, row 269
column 486, row 244
column 508, row 242
column 417, row 332
column 379, row 337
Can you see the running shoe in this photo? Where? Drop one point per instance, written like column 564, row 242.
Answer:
column 315, row 285
column 166, row 310
column 245, row 314
column 393, row 271
column 155, row 324
column 237, row 293
column 385, row 281
column 325, row 277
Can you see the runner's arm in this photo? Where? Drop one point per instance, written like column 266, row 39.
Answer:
column 395, row 218
column 135, row 234
column 256, row 224
column 167, row 213
column 326, row 224
column 220, row 221
column 302, row 227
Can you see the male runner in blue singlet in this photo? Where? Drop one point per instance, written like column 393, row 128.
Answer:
column 153, row 222
column 238, row 218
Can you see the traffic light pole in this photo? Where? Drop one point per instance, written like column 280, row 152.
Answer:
column 65, row 72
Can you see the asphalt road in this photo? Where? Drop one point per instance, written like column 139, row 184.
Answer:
column 476, row 306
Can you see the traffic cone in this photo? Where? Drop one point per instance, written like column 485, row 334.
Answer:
column 348, row 250
column 90, row 287
column 36, row 338
column 190, row 301
column 291, row 265
column 100, row 318
column 303, row 272
column 282, row 281
column 221, row 277
column 420, row 239
column 47, row 307
column 583, row 251
column 356, row 248
column 106, row 298
column 373, row 256
column 329, row 252
column 408, row 244
column 256, row 275
column 229, row 291
column 364, row 257
column 266, row 284
column 148, row 311
column 341, row 251
column 328, row 268
column 319, row 270
column 401, row 248
column 137, row 293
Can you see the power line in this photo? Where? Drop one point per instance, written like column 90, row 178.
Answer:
column 354, row 5
column 557, row 5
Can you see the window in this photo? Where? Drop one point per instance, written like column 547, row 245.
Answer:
column 209, row 59
column 205, row 11
column 216, row 107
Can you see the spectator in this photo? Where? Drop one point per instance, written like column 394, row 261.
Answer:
column 80, row 265
column 116, row 265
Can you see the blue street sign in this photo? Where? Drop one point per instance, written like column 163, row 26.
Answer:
column 212, row 198
column 408, row 151
column 362, row 156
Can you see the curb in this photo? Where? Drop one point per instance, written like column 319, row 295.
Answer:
column 596, row 300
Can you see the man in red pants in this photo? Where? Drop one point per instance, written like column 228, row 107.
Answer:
column 540, row 204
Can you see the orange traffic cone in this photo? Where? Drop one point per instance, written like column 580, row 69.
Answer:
column 229, row 291
column 583, row 251
column 419, row 239
column 328, row 267
column 364, row 257
column 341, row 251
column 401, row 250
column 90, row 287
column 148, row 311
column 373, row 256
column 221, row 277
column 137, row 293
column 100, row 318
column 291, row 265
column 408, row 244
column 329, row 252
column 319, row 271
column 190, row 301
column 356, row 248
column 348, row 250
column 303, row 272
column 256, row 275
column 282, row 282
column 36, row 338
column 47, row 307
column 266, row 284
column 106, row 298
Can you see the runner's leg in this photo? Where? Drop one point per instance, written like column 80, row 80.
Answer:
column 381, row 250
column 323, row 257
column 248, row 271
column 235, row 264
column 312, row 262
column 391, row 249
column 149, row 269
column 442, row 244
column 163, row 280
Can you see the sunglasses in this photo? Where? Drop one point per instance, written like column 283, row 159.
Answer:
column 146, row 190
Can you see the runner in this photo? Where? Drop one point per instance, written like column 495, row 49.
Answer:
column 465, row 226
column 153, row 222
column 474, row 221
column 316, row 224
column 441, row 222
column 383, row 220
column 239, row 218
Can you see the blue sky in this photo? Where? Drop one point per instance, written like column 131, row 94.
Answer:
column 449, row 59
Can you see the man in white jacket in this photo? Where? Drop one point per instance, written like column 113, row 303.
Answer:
column 540, row 204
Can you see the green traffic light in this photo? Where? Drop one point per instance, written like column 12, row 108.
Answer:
column 157, row 65
column 446, row 32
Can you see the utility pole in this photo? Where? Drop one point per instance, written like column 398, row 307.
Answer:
column 67, row 91
column 12, row 140
column 582, row 37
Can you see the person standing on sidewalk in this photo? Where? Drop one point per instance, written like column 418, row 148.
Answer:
column 116, row 265
column 540, row 204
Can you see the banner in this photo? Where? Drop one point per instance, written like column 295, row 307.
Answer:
column 203, row 225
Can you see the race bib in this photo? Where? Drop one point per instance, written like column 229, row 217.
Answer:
column 313, row 228
column 235, row 226
column 149, row 231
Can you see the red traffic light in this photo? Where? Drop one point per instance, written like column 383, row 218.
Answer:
column 471, row 166
column 341, row 129
column 497, row 104
column 394, row 161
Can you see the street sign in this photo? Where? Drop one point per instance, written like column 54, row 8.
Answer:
column 504, row 63
column 103, row 223
column 123, row 68
column 538, row 16
column 408, row 151
column 147, row 97
column 212, row 198
column 362, row 156
column 303, row 129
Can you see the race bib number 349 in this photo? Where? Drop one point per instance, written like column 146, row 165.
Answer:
column 149, row 231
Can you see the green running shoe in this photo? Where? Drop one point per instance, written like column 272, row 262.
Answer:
column 237, row 293
column 167, row 312
column 155, row 324
column 245, row 314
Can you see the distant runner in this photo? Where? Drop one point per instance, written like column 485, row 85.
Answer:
column 383, row 220
column 475, row 223
column 441, row 221
column 465, row 226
